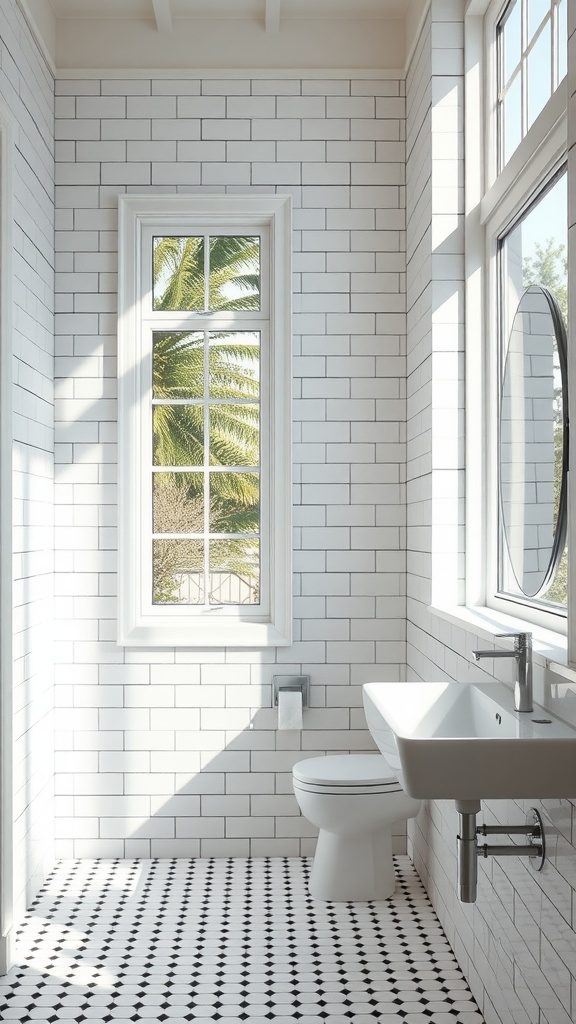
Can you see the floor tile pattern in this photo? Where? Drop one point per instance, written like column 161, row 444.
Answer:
column 228, row 940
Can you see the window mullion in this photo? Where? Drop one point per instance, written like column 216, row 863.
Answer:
column 554, row 41
column 523, row 70
column 206, row 465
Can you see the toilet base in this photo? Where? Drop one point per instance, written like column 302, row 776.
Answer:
column 353, row 868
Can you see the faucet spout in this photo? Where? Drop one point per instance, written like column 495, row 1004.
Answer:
column 493, row 654
column 523, row 654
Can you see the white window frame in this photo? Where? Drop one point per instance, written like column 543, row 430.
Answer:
column 494, row 200
column 140, row 622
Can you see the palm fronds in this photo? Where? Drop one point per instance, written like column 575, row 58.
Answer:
column 206, row 413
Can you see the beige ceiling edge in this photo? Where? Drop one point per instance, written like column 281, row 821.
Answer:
column 240, row 44
column 364, row 49
column 369, row 74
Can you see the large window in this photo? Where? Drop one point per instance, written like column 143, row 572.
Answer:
column 523, row 235
column 204, row 378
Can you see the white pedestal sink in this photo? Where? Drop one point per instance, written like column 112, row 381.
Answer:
column 466, row 742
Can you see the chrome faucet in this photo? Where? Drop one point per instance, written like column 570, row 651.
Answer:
column 523, row 654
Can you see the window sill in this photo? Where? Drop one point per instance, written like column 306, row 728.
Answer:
column 549, row 648
column 197, row 632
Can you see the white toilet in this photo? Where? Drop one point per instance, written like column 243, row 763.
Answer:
column 354, row 799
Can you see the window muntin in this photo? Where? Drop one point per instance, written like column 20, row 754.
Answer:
column 531, row 37
column 533, row 251
column 204, row 384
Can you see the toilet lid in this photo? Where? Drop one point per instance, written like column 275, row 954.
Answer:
column 344, row 770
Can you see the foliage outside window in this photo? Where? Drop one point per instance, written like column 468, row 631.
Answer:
column 204, row 373
column 206, row 418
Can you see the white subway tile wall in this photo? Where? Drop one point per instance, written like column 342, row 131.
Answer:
column 26, row 92
column 176, row 752
column 517, row 944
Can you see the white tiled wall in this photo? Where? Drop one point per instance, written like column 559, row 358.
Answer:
column 26, row 92
column 177, row 752
column 517, row 944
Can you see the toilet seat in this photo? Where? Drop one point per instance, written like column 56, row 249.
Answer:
column 346, row 774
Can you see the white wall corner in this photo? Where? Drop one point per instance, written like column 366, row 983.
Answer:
column 41, row 21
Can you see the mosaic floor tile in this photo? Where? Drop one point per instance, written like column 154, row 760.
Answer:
column 206, row 941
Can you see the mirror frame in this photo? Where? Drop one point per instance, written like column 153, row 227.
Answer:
column 560, row 531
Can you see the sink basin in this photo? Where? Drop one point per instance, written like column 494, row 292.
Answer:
column 464, row 741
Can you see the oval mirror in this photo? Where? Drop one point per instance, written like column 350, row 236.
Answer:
column 533, row 441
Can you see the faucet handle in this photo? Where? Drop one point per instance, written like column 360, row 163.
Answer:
column 522, row 638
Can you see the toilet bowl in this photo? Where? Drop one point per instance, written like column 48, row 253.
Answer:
column 354, row 799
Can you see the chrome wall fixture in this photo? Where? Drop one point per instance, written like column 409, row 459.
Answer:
column 523, row 654
column 292, row 683
column 469, row 850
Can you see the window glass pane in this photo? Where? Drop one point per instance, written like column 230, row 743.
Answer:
column 536, row 248
column 537, row 11
column 178, row 435
column 562, row 39
column 178, row 273
column 234, row 572
column 531, row 63
column 234, row 365
column 178, row 502
column 510, row 38
column 539, row 71
column 511, row 114
column 234, row 503
column 178, row 571
column 234, row 277
column 177, row 364
column 234, row 435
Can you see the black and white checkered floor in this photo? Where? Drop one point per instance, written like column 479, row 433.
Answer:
column 228, row 940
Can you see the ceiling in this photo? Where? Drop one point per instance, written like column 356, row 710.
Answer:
column 175, row 35
column 229, row 8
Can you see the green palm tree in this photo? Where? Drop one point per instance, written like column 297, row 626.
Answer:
column 233, row 278
column 182, row 362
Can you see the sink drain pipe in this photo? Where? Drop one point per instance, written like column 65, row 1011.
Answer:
column 468, row 849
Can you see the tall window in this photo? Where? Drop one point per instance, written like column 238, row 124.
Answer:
column 206, row 419
column 204, row 389
column 524, row 216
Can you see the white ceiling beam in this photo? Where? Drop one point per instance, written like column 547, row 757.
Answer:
column 272, row 15
column 163, row 15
